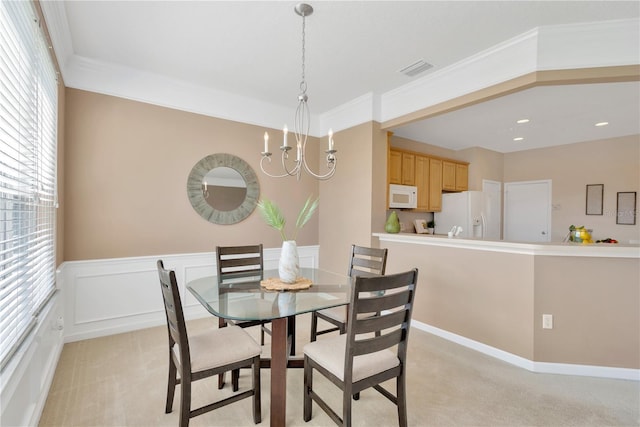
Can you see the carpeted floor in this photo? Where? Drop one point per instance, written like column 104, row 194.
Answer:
column 120, row 380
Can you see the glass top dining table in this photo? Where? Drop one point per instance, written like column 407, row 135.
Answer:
column 242, row 298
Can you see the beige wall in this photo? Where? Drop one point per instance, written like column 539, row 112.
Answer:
column 125, row 173
column 595, row 303
column 483, row 164
column 614, row 163
column 498, row 299
column 346, row 217
column 484, row 296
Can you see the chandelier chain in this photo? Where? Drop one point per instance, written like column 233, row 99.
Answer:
column 303, row 83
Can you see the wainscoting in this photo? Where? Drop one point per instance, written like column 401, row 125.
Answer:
column 110, row 296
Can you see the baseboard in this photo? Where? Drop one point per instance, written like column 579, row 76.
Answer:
column 26, row 380
column 530, row 365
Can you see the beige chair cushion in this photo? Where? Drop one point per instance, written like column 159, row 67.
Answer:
column 337, row 313
column 330, row 353
column 217, row 347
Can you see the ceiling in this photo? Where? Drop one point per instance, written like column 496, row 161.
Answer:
column 253, row 49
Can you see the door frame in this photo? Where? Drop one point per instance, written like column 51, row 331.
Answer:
column 486, row 183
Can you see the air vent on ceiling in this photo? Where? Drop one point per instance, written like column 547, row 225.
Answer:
column 416, row 68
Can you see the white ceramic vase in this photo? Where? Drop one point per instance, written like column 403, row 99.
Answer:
column 288, row 267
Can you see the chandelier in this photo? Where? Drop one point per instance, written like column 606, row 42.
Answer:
column 301, row 128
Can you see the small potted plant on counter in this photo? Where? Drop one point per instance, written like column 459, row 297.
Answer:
column 431, row 225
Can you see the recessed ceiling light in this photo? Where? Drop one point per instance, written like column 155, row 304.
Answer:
column 602, row 124
column 518, row 138
column 521, row 121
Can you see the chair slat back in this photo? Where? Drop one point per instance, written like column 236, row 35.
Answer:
column 367, row 260
column 371, row 294
column 173, row 309
column 239, row 261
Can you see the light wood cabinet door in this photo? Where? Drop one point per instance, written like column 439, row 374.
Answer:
column 435, row 185
column 462, row 177
column 422, row 182
column 395, row 167
column 448, row 176
column 408, row 169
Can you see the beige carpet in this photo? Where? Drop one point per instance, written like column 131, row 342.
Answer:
column 121, row 380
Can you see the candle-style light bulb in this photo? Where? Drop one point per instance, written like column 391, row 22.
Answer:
column 330, row 139
column 266, row 142
column 285, row 131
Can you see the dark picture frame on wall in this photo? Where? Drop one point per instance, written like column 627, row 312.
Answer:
column 594, row 199
column 626, row 208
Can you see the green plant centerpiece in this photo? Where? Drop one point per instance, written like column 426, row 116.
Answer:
column 288, row 266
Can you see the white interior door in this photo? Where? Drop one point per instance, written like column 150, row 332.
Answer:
column 493, row 209
column 527, row 211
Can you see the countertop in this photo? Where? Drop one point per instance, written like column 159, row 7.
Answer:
column 606, row 250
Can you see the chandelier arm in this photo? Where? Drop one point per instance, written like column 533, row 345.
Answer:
column 296, row 169
column 271, row 175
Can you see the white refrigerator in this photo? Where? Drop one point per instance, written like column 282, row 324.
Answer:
column 469, row 210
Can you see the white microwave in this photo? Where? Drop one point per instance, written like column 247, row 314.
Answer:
column 403, row 196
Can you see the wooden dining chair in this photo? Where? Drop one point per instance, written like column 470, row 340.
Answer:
column 355, row 362
column 238, row 263
column 241, row 262
column 203, row 355
column 363, row 260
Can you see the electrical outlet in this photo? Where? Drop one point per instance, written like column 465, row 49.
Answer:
column 547, row 321
column 401, row 226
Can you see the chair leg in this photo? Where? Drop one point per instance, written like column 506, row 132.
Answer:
column 235, row 377
column 261, row 335
column 356, row 396
column 401, row 398
column 171, row 385
column 221, row 324
column 185, row 398
column 257, row 410
column 308, row 386
column 346, row 407
column 314, row 326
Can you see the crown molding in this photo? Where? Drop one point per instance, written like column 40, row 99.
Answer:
column 590, row 45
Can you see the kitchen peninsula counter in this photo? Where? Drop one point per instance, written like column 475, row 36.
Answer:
column 491, row 295
column 607, row 250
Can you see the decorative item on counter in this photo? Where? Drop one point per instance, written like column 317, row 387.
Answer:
column 607, row 240
column 421, row 226
column 455, row 231
column 393, row 223
column 288, row 266
column 431, row 227
column 580, row 234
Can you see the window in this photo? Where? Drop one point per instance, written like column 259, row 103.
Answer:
column 28, row 151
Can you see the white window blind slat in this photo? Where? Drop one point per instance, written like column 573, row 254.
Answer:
column 28, row 157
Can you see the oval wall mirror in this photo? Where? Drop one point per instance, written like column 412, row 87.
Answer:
column 223, row 189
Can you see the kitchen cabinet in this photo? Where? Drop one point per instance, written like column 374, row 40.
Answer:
column 422, row 182
column 408, row 169
column 402, row 168
column 462, row 177
column 455, row 176
column 395, row 167
column 435, row 185
column 448, row 176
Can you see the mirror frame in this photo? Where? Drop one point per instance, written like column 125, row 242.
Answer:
column 206, row 211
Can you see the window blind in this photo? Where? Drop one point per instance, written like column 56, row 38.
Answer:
column 28, row 158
